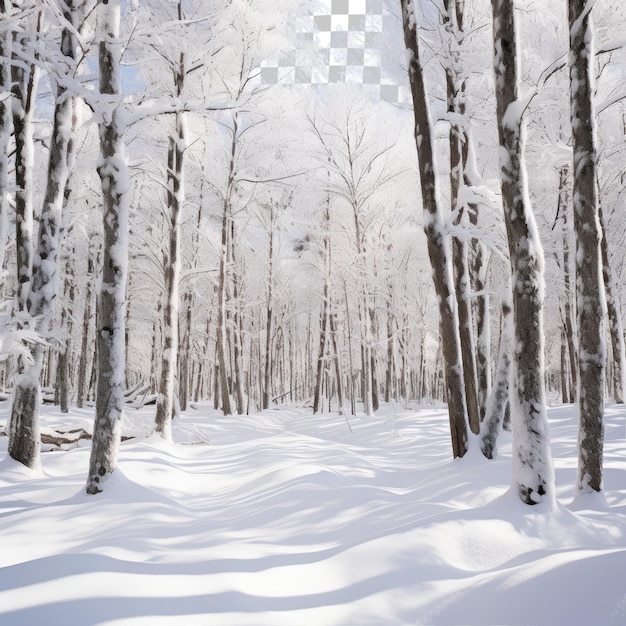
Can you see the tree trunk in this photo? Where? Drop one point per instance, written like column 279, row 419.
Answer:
column 23, row 92
column 63, row 365
column 590, row 302
column 616, row 330
column 113, row 173
column 498, row 400
column 5, row 124
column 185, row 378
column 533, row 475
column 238, row 321
column 455, row 88
column 269, row 313
column 563, row 212
column 438, row 248
column 176, row 198
column 565, row 390
column 483, row 338
column 44, row 279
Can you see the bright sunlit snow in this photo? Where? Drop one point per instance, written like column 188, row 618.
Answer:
column 288, row 518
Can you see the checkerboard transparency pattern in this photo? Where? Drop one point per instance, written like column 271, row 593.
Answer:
column 342, row 44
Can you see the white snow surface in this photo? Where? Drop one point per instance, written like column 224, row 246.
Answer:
column 288, row 518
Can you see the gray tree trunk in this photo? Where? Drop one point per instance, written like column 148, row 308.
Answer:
column 269, row 312
column 455, row 88
column 23, row 92
column 498, row 400
column 570, row 331
column 5, row 124
column 85, row 348
column 113, row 173
column 616, row 330
column 590, row 302
column 24, row 420
column 533, row 475
column 172, row 263
column 438, row 248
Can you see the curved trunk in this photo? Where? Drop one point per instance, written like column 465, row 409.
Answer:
column 533, row 476
column 438, row 248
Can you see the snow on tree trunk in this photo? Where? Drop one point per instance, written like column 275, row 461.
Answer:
column 5, row 124
column 176, row 197
column 45, row 266
column 85, row 347
column 322, row 354
column 438, row 248
column 455, row 92
column 112, row 169
column 481, row 315
column 533, row 475
column 491, row 425
column 23, row 87
column 616, row 329
column 590, row 302
column 269, row 310
column 570, row 331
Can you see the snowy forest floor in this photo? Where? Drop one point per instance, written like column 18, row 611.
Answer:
column 288, row 518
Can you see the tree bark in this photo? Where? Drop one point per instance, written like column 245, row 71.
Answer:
column 43, row 282
column 570, row 331
column 590, row 302
column 438, row 248
column 113, row 173
column 269, row 312
column 5, row 124
column 533, row 476
column 455, row 92
column 616, row 330
column 176, row 198
column 23, row 92
column 498, row 400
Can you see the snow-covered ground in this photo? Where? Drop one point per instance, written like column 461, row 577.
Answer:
column 288, row 518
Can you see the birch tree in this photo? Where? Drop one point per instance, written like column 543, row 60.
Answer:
column 438, row 245
column 532, row 466
column 590, row 303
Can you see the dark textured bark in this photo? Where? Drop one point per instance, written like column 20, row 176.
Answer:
column 172, row 263
column 481, row 316
column 24, row 438
column 110, row 323
column 43, row 282
column 589, row 294
column 317, row 394
column 563, row 213
column 5, row 124
column 185, row 366
column 455, row 92
column 269, row 311
column 81, row 385
column 532, row 466
column 63, row 363
column 23, row 86
column 565, row 390
column 616, row 330
column 435, row 234
column 237, row 325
